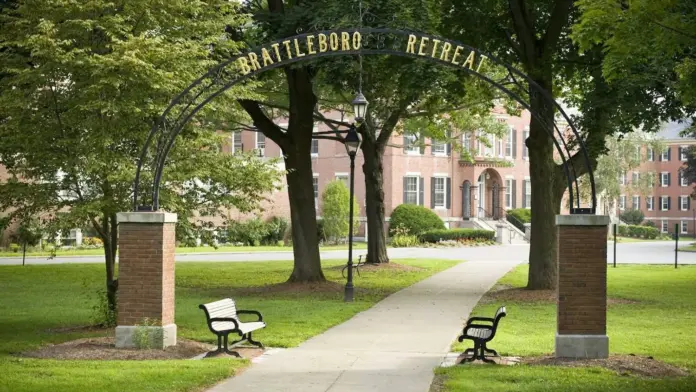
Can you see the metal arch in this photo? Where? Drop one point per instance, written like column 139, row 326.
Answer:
column 167, row 131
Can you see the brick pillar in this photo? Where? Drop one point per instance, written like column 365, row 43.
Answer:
column 582, row 286
column 146, row 279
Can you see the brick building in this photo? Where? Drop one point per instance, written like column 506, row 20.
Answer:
column 669, row 201
column 432, row 175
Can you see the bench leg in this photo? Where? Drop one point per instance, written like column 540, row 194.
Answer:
column 227, row 350
column 482, row 355
column 254, row 342
column 472, row 351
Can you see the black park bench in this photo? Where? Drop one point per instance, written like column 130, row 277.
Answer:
column 480, row 334
column 222, row 317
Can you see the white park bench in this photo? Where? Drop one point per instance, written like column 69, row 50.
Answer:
column 222, row 318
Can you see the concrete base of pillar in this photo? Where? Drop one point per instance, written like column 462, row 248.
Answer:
column 582, row 346
column 140, row 336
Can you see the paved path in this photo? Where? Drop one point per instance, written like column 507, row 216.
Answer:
column 660, row 252
column 393, row 346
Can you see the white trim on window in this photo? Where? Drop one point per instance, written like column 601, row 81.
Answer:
column 664, row 203
column 684, row 203
column 683, row 156
column 415, row 191
column 622, row 202
column 260, row 145
column 650, row 200
column 664, row 176
column 508, row 191
column 440, row 181
column 664, row 225
column 684, row 226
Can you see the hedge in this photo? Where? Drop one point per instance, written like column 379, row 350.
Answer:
column 416, row 219
column 638, row 231
column 434, row 236
column 524, row 215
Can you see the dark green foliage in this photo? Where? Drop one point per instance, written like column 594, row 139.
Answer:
column 633, row 217
column 249, row 233
column 524, row 215
column 275, row 230
column 638, row 231
column 434, row 236
column 416, row 219
column 649, row 224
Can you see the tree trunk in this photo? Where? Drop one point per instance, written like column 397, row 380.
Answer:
column 546, row 197
column 305, row 242
column 24, row 253
column 110, row 239
column 374, row 197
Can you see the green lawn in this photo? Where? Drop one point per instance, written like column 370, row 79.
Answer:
column 198, row 249
column 631, row 239
column 660, row 324
column 691, row 247
column 40, row 297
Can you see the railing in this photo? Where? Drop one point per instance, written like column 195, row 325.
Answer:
column 515, row 222
column 499, row 213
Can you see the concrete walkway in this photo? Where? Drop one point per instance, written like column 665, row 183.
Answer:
column 393, row 346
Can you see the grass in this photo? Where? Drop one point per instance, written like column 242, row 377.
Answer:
column 631, row 239
column 37, row 298
column 689, row 248
column 660, row 323
column 180, row 250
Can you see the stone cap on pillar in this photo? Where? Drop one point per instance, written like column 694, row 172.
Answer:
column 146, row 217
column 582, row 220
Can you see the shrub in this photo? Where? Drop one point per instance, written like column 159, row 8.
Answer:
column 248, row 233
column 524, row 215
column 416, row 219
column 403, row 239
column 275, row 230
column 649, row 224
column 632, row 217
column 638, row 231
column 335, row 211
column 434, row 236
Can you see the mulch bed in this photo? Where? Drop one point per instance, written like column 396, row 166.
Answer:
column 626, row 365
column 506, row 293
column 103, row 348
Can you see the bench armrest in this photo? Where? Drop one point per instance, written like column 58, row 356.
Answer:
column 224, row 319
column 466, row 329
column 251, row 312
column 472, row 319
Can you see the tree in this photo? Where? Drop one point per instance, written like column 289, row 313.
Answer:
column 76, row 118
column 536, row 36
column 29, row 233
column 335, row 211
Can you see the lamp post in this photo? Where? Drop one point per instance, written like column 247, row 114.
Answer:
column 352, row 142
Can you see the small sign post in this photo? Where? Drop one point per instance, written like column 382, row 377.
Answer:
column 676, row 244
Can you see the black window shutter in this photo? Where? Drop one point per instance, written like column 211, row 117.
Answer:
column 669, row 154
column 524, row 193
column 680, row 152
column 422, row 148
column 688, row 203
column 637, row 207
column 449, row 149
column 669, row 203
column 448, row 196
column 432, row 150
column 405, row 182
column 514, row 194
column 514, row 146
column 432, row 192
column 669, row 179
column 406, row 143
column 659, row 178
column 421, row 188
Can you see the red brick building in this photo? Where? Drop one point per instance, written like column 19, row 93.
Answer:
column 669, row 201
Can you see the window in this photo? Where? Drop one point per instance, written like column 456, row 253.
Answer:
column 439, row 192
column 684, row 227
column 651, row 179
column 410, row 144
column 510, row 144
column 684, row 203
column 682, row 153
column 525, row 136
column 315, row 184
column 508, row 193
column 651, row 154
column 260, row 144
column 622, row 202
column 499, row 147
column 438, row 147
column 315, row 147
column 345, row 178
column 635, row 202
column 664, row 226
column 411, row 189
column 635, row 178
column 682, row 179
column 527, row 194
column 650, row 201
column 490, row 150
column 237, row 145
column 664, row 203
column 664, row 179
column 466, row 142
column 665, row 155
column 622, row 178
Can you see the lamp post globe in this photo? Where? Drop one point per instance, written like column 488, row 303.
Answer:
column 352, row 141
column 360, row 107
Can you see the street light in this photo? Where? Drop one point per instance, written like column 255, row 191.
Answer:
column 352, row 142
